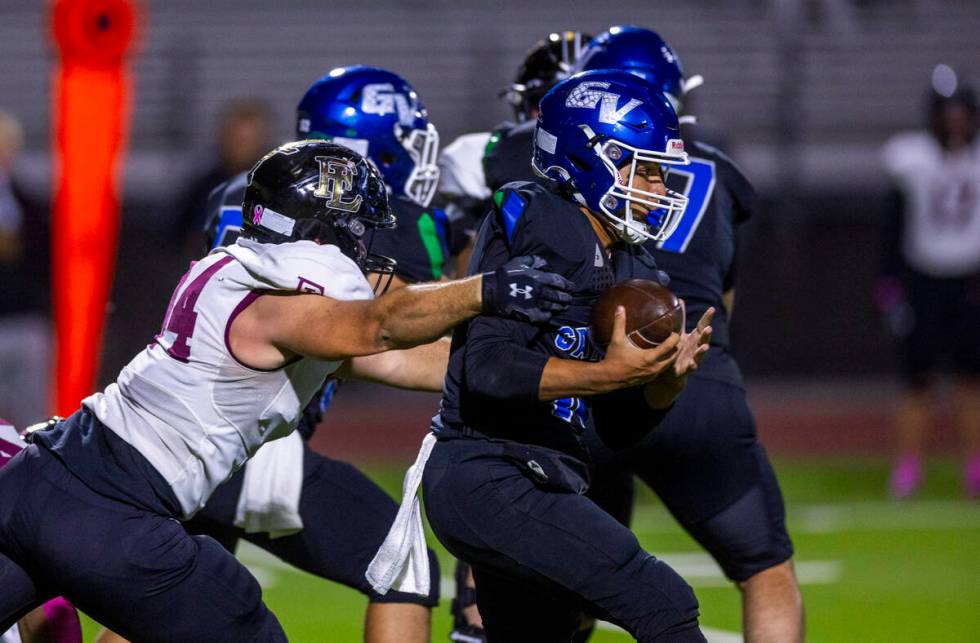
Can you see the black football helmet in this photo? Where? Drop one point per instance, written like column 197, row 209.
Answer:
column 551, row 60
column 318, row 191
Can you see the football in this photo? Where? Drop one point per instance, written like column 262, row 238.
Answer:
column 652, row 313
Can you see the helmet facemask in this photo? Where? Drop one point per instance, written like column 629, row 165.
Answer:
column 617, row 204
column 422, row 146
column 355, row 240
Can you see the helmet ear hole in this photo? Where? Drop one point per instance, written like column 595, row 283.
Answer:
column 579, row 163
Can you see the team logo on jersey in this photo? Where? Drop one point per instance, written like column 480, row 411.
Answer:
column 590, row 93
column 307, row 285
column 381, row 99
column 336, row 183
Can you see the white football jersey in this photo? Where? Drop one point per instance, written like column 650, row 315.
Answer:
column 942, row 203
column 461, row 167
column 10, row 442
column 185, row 402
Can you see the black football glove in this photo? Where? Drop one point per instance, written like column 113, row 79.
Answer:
column 521, row 289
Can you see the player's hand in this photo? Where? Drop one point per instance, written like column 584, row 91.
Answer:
column 693, row 347
column 691, row 351
column 628, row 365
column 523, row 289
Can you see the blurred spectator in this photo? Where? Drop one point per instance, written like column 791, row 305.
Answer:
column 244, row 136
column 24, row 328
column 930, row 292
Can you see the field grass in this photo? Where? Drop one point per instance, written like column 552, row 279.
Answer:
column 871, row 569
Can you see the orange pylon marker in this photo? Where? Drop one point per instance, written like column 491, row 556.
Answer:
column 91, row 104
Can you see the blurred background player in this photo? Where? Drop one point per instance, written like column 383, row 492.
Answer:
column 24, row 327
column 704, row 460
column 244, row 134
column 379, row 113
column 504, row 484
column 472, row 167
column 930, row 292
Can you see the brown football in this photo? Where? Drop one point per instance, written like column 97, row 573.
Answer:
column 652, row 313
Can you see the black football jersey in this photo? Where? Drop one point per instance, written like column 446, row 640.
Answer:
column 508, row 155
column 418, row 243
column 488, row 352
column 700, row 254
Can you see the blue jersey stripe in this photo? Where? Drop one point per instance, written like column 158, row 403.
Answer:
column 512, row 210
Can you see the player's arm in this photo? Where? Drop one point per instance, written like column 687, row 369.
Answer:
column 278, row 325
column 728, row 301
column 623, row 366
column 498, row 364
column 422, row 368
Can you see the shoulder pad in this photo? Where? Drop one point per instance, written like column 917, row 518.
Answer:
column 462, row 167
column 525, row 204
column 511, row 202
column 301, row 266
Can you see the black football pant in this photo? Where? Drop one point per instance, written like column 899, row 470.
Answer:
column 135, row 571
column 542, row 555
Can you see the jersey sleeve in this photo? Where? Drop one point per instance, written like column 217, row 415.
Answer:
column 499, row 362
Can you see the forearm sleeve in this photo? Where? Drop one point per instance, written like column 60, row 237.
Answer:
column 498, row 363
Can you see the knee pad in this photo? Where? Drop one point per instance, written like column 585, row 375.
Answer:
column 749, row 536
column 670, row 606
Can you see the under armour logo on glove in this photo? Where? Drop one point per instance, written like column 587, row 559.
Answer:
column 521, row 289
column 515, row 291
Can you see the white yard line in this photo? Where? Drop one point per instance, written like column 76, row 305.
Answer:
column 822, row 518
column 700, row 569
column 922, row 515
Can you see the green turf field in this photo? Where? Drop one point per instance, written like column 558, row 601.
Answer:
column 871, row 569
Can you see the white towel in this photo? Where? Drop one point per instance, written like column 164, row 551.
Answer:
column 269, row 500
column 402, row 561
column 11, row 636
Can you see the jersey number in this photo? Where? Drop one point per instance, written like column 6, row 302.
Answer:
column 571, row 410
column 699, row 185
column 178, row 324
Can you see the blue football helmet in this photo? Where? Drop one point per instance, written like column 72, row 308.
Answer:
column 378, row 114
column 641, row 52
column 596, row 123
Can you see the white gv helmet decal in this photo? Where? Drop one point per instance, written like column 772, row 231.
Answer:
column 381, row 99
column 590, row 93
